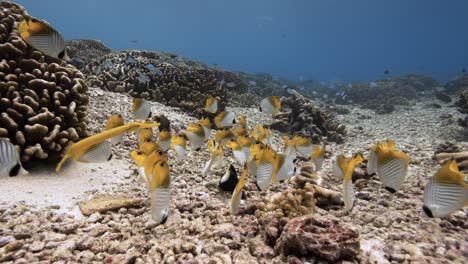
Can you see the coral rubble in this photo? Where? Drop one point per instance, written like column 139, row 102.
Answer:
column 458, row 84
column 304, row 117
column 83, row 51
column 43, row 102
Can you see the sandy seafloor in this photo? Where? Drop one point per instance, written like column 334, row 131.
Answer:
column 40, row 210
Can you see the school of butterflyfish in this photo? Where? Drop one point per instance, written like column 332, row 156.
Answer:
column 445, row 193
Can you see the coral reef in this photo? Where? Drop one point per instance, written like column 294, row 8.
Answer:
column 458, row 84
column 447, row 147
column 383, row 95
column 302, row 116
column 323, row 238
column 157, row 76
column 43, row 102
column 83, row 51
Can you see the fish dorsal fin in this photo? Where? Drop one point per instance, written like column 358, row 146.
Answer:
column 450, row 174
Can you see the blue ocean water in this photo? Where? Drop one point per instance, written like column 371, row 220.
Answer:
column 303, row 39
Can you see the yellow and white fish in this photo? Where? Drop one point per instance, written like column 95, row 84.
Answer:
column 289, row 148
column 149, row 146
column 211, row 104
column 225, row 119
column 445, row 192
column 255, row 153
column 206, row 124
column 348, row 189
column 160, row 187
column 262, row 134
column 94, row 143
column 222, row 136
column 179, row 146
column 270, row 105
column 229, row 180
column 392, row 167
column 284, row 168
column 139, row 157
column 141, row 109
column 41, row 36
column 99, row 153
column 372, row 161
column 339, row 166
column 318, row 156
column 10, row 163
column 164, row 140
column 238, row 152
column 303, row 146
column 144, row 135
column 217, row 155
column 237, row 193
column 196, row 135
column 265, row 165
column 150, row 161
column 115, row 121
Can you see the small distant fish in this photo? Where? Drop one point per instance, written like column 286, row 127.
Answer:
column 222, row 136
column 373, row 85
column 164, row 123
column 113, row 122
column 446, row 192
column 284, row 86
column 387, row 71
column 179, row 146
column 160, row 186
column 10, row 163
column 141, row 109
column 231, row 84
column 270, row 105
column 237, row 194
column 318, row 156
column 252, row 83
column 205, row 122
column 78, row 149
column 211, row 105
column 196, row 135
column 217, row 155
column 225, row 119
column 229, row 180
column 134, row 41
column 164, row 140
column 41, row 36
column 144, row 134
column 463, row 70
column 348, row 189
column 392, row 167
column 149, row 146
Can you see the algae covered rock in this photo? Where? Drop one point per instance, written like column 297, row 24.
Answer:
column 43, row 101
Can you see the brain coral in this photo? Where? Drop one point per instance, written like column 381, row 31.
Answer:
column 43, row 102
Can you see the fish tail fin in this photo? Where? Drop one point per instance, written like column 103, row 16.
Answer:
column 62, row 161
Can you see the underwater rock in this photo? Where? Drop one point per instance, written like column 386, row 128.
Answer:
column 43, row 101
column 463, row 107
column 443, row 97
column 302, row 116
column 323, row 238
column 83, row 51
column 460, row 157
column 105, row 202
column 447, row 147
column 385, row 109
column 458, row 84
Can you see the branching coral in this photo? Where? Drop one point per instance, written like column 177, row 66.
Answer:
column 43, row 102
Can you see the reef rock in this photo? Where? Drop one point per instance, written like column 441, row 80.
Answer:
column 105, row 202
column 43, row 101
column 319, row 237
column 458, row 84
column 463, row 104
column 163, row 77
column 302, row 116
column 83, row 51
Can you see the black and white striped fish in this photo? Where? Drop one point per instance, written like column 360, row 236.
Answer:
column 10, row 164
